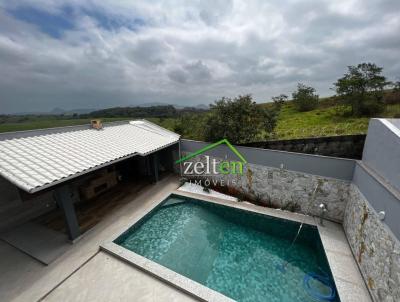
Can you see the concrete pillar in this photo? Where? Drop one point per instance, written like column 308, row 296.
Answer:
column 64, row 201
column 155, row 166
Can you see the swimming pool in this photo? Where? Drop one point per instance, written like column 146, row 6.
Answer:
column 243, row 255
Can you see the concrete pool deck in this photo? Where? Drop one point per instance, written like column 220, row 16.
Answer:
column 85, row 273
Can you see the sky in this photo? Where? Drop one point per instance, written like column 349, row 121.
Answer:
column 98, row 54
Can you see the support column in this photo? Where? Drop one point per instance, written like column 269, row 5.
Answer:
column 64, row 201
column 154, row 158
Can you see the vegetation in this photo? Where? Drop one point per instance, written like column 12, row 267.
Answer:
column 360, row 95
column 362, row 87
column 329, row 118
column 304, row 98
column 188, row 125
column 240, row 120
column 279, row 101
column 135, row 112
column 163, row 111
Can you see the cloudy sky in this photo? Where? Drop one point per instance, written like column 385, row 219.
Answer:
column 96, row 54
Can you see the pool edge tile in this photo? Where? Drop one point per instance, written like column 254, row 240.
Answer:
column 160, row 272
column 297, row 217
column 346, row 274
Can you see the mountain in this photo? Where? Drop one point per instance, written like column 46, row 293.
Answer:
column 152, row 104
column 202, row 106
column 57, row 111
column 80, row 111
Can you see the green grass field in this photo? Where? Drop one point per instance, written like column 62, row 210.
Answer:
column 324, row 121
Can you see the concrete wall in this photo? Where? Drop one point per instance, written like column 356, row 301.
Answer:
column 345, row 146
column 376, row 249
column 376, row 182
column 311, row 164
column 382, row 149
column 285, row 189
column 380, row 195
column 294, row 184
column 375, row 188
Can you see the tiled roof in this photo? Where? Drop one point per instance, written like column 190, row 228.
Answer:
column 45, row 159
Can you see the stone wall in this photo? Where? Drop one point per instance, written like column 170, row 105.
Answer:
column 283, row 188
column 345, row 146
column 375, row 248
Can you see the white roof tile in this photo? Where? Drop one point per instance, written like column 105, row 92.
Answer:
column 38, row 161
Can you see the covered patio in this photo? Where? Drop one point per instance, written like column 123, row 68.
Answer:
column 84, row 173
column 25, row 279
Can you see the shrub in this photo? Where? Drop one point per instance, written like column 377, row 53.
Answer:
column 240, row 120
column 304, row 98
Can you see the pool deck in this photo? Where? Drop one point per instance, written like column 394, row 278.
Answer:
column 87, row 273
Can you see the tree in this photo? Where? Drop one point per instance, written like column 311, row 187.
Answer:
column 279, row 100
column 190, row 125
column 240, row 120
column 393, row 97
column 396, row 86
column 270, row 119
column 362, row 87
column 304, row 98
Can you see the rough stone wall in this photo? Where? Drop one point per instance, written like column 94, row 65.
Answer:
column 346, row 146
column 283, row 188
column 375, row 248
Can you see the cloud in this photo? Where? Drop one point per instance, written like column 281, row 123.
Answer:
column 196, row 72
column 77, row 54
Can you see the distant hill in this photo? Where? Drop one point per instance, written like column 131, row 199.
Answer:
column 72, row 111
column 85, row 111
column 202, row 106
column 159, row 111
column 154, row 104
column 57, row 111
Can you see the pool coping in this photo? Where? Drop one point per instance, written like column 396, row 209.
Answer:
column 346, row 277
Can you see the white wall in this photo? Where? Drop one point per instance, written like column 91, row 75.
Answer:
column 382, row 149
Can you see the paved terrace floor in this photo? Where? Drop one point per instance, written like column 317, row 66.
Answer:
column 86, row 274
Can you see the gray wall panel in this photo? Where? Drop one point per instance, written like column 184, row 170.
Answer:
column 313, row 164
column 379, row 196
column 382, row 150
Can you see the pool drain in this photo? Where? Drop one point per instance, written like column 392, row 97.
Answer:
column 319, row 287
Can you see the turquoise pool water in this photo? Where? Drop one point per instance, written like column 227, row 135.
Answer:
column 242, row 255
